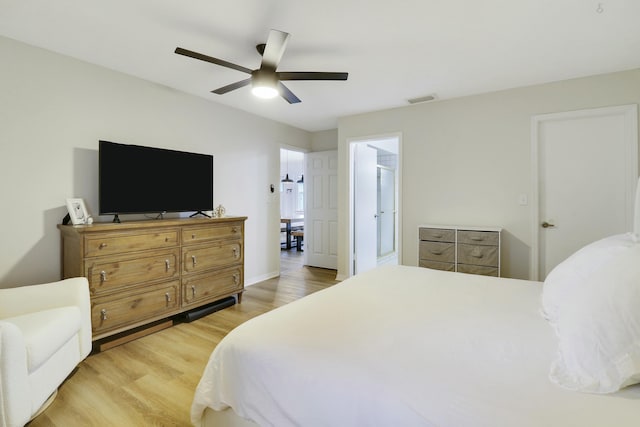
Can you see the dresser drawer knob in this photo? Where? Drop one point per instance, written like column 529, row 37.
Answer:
column 103, row 314
column 235, row 252
column 236, row 278
column 167, row 264
column 193, row 290
column 102, row 246
column 234, row 229
column 193, row 259
column 193, row 236
column 168, row 297
column 103, row 276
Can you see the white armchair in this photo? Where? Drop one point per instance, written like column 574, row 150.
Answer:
column 45, row 331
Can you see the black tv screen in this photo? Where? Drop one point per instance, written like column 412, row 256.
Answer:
column 134, row 179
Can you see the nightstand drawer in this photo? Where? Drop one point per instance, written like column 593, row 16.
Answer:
column 489, row 238
column 437, row 251
column 478, row 269
column 437, row 234
column 478, row 255
column 436, row 265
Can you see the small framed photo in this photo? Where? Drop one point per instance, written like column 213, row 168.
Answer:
column 77, row 211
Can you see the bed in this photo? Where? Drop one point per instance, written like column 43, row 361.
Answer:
column 403, row 346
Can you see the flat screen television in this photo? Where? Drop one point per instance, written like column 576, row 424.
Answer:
column 139, row 180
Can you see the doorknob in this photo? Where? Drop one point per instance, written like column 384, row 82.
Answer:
column 547, row 225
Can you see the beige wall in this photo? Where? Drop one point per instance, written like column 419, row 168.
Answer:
column 466, row 160
column 54, row 109
column 324, row 140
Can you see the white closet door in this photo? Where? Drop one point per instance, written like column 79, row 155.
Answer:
column 587, row 172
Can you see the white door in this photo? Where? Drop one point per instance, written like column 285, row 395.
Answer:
column 587, row 172
column 365, row 208
column 321, row 213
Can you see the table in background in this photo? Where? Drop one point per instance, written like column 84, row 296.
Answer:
column 287, row 222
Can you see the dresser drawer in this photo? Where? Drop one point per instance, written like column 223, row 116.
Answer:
column 478, row 269
column 106, row 274
column 478, row 237
column 135, row 306
column 117, row 243
column 211, row 286
column 437, row 251
column 201, row 258
column 219, row 232
column 437, row 234
column 478, row 255
column 436, row 265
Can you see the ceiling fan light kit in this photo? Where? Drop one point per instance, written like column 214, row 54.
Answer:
column 264, row 84
column 265, row 81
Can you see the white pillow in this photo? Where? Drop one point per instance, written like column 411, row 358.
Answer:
column 593, row 301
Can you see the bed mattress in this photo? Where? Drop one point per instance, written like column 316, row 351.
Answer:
column 403, row 346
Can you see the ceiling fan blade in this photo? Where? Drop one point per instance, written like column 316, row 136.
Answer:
column 232, row 86
column 287, row 94
column 274, row 49
column 311, row 75
column 196, row 55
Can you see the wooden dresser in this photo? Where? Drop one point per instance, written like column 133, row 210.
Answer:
column 140, row 272
column 474, row 250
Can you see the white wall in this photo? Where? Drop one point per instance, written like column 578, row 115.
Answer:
column 53, row 111
column 466, row 160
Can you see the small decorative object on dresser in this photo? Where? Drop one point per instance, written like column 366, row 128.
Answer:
column 466, row 249
column 144, row 272
column 77, row 211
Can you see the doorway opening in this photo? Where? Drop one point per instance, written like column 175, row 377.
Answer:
column 375, row 220
column 292, row 202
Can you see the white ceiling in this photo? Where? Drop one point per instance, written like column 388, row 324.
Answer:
column 393, row 51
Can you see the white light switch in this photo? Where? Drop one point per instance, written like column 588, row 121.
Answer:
column 523, row 200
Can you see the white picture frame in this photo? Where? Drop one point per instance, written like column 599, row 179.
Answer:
column 77, row 211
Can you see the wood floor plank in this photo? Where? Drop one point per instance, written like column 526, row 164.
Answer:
column 151, row 381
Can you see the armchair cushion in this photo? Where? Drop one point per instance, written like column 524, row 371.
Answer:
column 45, row 332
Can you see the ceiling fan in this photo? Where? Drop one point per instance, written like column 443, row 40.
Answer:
column 266, row 82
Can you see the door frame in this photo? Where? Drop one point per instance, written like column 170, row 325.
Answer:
column 630, row 114
column 350, row 171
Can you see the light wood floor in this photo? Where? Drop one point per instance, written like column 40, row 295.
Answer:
column 151, row 381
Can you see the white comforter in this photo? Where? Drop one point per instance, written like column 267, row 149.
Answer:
column 403, row 346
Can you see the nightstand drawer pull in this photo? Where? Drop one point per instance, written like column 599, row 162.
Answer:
column 235, row 252
column 436, row 251
column 168, row 297
column 167, row 264
column 193, row 291
column 102, row 246
column 103, row 314
column 193, row 259
column 103, row 276
column 236, row 279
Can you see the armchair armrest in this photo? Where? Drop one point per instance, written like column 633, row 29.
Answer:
column 14, row 391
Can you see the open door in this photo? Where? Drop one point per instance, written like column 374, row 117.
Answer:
column 321, row 213
column 365, row 208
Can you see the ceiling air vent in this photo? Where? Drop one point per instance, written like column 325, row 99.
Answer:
column 426, row 98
